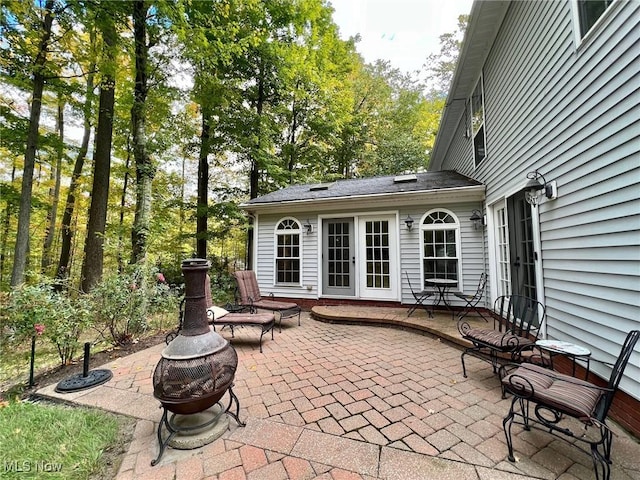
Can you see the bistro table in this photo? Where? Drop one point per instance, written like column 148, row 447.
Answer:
column 442, row 284
column 570, row 350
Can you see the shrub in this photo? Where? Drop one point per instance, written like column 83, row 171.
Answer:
column 122, row 303
column 39, row 310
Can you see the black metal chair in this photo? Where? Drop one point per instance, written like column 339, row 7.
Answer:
column 419, row 297
column 516, row 323
column 559, row 398
column 472, row 300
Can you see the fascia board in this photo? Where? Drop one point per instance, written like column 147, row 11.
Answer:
column 398, row 199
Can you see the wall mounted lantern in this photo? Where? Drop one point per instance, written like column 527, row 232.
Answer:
column 408, row 222
column 533, row 190
column 308, row 227
column 478, row 219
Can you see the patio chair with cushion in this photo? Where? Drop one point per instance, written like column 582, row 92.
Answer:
column 218, row 316
column 571, row 409
column 516, row 323
column 419, row 296
column 249, row 296
column 473, row 299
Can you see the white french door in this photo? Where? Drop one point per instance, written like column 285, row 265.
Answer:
column 378, row 274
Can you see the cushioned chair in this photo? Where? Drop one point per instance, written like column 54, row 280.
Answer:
column 249, row 296
column 221, row 317
column 516, row 323
column 472, row 300
column 419, row 296
column 557, row 398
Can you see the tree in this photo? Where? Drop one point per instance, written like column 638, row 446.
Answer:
column 145, row 170
column 441, row 66
column 93, row 249
column 87, row 107
column 24, row 213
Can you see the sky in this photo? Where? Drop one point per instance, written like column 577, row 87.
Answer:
column 404, row 32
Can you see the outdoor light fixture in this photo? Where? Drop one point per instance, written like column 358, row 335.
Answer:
column 477, row 218
column 534, row 188
column 308, row 227
column 408, row 222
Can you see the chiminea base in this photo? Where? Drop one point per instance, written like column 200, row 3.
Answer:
column 183, row 429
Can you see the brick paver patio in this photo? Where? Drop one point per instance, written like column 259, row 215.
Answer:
column 332, row 401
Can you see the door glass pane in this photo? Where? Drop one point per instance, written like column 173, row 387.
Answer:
column 338, row 255
column 377, row 254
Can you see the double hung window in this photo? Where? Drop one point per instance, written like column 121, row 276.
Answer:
column 477, row 123
column 440, row 245
column 589, row 11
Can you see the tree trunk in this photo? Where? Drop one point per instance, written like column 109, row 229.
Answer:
column 93, row 247
column 9, row 214
column 67, row 216
column 24, row 213
column 203, row 186
column 145, row 170
column 54, row 193
column 255, row 168
column 123, row 202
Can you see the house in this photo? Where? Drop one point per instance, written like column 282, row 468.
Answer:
column 540, row 141
column 552, row 90
column 352, row 240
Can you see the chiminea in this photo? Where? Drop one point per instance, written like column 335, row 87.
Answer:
column 198, row 366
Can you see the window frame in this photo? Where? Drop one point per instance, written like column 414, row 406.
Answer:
column 292, row 227
column 455, row 227
column 479, row 133
column 582, row 38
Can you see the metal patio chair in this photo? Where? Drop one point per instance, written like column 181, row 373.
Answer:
column 516, row 323
column 568, row 408
column 249, row 296
column 419, row 297
column 472, row 300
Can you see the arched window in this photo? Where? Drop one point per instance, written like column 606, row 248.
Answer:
column 288, row 251
column 440, row 232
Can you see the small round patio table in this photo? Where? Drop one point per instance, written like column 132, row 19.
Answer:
column 442, row 284
column 570, row 350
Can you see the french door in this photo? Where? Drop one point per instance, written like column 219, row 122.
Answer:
column 515, row 253
column 378, row 251
column 359, row 257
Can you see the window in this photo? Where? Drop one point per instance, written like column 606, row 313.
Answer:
column 288, row 251
column 440, row 234
column 589, row 11
column 477, row 123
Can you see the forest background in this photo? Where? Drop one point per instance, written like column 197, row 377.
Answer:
column 130, row 131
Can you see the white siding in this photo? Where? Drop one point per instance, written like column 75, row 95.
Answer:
column 573, row 113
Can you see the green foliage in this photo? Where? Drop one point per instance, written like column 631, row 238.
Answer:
column 54, row 441
column 122, row 303
column 38, row 309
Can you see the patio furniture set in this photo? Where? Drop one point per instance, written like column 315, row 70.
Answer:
column 567, row 407
column 244, row 313
column 570, row 408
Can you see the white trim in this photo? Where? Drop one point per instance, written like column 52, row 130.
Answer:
column 537, row 248
column 582, row 42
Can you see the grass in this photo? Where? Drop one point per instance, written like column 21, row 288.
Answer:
column 54, row 441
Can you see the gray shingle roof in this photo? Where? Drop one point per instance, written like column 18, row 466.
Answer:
column 428, row 181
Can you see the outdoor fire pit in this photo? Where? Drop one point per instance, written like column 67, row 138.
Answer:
column 197, row 368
